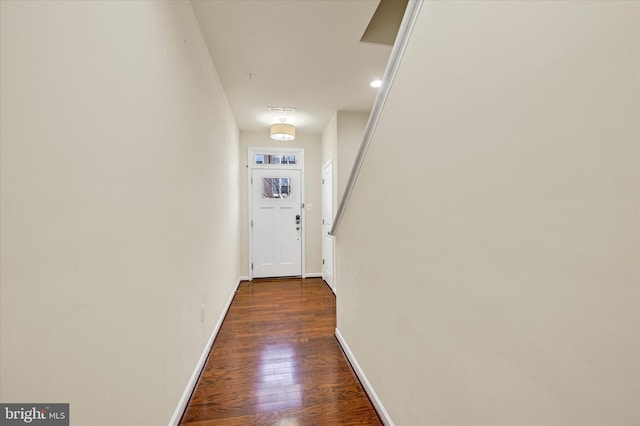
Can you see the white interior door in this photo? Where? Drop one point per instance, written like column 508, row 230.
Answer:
column 276, row 223
column 327, row 223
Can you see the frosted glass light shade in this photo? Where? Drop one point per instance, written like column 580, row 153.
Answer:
column 283, row 132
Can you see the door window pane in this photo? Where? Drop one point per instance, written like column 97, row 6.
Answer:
column 275, row 159
column 276, row 188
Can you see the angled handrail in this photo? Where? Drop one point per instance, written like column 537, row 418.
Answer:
column 402, row 39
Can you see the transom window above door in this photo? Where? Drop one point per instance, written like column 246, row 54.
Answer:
column 279, row 159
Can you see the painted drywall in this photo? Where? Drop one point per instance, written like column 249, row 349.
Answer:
column 329, row 140
column 119, row 214
column 488, row 260
column 329, row 148
column 313, row 194
column 351, row 126
column 340, row 142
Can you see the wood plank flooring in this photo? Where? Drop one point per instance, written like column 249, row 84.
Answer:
column 276, row 361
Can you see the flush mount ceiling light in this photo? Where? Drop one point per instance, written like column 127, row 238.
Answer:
column 376, row 83
column 283, row 131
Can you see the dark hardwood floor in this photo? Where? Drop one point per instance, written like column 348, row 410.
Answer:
column 276, row 361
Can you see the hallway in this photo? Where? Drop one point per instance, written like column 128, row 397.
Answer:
column 276, row 361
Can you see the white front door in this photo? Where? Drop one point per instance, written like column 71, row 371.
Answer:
column 276, row 223
column 327, row 223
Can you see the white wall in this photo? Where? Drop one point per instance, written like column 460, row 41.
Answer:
column 488, row 260
column 340, row 141
column 351, row 126
column 313, row 194
column 329, row 139
column 119, row 211
column 329, row 148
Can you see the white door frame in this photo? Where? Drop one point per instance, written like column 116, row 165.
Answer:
column 299, row 152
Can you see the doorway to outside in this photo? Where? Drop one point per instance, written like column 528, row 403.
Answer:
column 276, row 207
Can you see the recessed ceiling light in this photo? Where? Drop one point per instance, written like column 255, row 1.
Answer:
column 376, row 83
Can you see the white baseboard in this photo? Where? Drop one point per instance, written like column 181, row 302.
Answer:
column 184, row 400
column 313, row 275
column 386, row 419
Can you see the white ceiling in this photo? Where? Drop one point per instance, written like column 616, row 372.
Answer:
column 304, row 54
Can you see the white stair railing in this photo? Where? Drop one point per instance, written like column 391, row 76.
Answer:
column 402, row 39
